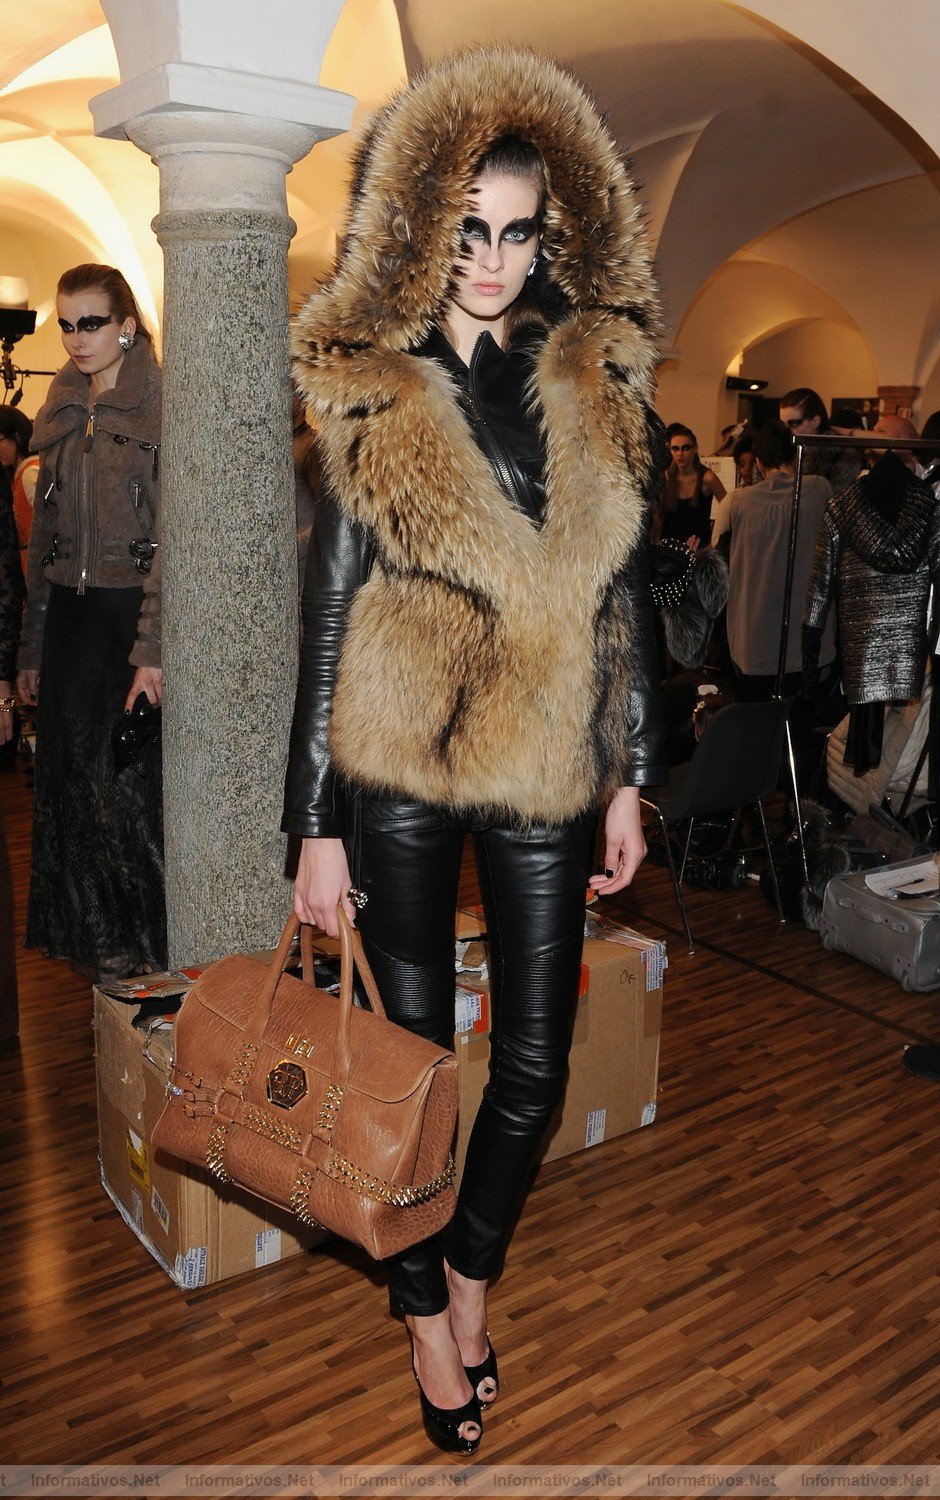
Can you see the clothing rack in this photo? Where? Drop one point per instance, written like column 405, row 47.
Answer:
column 867, row 440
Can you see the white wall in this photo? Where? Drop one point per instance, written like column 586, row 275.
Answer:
column 748, row 300
column 830, row 357
column 929, row 399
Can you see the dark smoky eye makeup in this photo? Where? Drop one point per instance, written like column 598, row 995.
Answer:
column 85, row 325
column 518, row 232
column 474, row 227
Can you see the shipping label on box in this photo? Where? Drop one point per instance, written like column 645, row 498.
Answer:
column 471, row 1010
column 596, row 1127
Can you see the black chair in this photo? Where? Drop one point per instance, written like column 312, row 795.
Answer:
column 735, row 763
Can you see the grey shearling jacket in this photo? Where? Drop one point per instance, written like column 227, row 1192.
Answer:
column 98, row 492
column 877, row 561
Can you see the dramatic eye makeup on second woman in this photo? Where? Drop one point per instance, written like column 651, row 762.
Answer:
column 85, row 325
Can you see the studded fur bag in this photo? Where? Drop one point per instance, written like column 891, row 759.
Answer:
column 690, row 589
column 312, row 1103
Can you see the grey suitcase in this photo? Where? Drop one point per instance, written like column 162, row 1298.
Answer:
column 901, row 937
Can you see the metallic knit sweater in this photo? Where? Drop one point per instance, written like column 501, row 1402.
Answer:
column 877, row 553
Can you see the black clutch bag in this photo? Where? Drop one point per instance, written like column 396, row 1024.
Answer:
column 136, row 729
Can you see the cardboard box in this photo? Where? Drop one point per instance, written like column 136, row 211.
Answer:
column 614, row 1062
column 198, row 1229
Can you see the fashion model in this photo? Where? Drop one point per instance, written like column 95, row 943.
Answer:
column 478, row 650
column 689, row 488
column 91, row 638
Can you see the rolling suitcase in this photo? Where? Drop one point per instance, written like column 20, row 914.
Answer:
column 900, row 935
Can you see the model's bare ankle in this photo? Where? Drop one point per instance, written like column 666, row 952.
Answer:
column 437, row 1360
column 468, row 1315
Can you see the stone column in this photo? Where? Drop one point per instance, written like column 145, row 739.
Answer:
column 229, row 555
column 228, row 544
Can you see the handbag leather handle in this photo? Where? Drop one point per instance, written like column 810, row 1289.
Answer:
column 352, row 957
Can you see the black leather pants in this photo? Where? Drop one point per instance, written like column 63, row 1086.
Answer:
column 406, row 857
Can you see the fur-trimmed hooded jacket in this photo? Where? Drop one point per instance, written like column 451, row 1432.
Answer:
column 97, row 496
column 456, row 650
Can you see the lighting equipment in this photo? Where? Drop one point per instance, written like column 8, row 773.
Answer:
column 16, row 321
column 738, row 383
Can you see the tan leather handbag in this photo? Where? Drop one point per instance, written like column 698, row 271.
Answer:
column 312, row 1103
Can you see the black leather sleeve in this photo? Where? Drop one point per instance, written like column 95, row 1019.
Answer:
column 647, row 735
column 339, row 560
column 648, row 766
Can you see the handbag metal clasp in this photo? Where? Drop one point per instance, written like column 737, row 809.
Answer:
column 286, row 1084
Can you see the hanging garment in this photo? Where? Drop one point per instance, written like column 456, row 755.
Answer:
column 877, row 553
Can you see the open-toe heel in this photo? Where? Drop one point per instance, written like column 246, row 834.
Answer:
column 443, row 1424
column 487, row 1369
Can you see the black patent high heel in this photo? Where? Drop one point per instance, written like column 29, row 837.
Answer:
column 487, row 1369
column 443, row 1424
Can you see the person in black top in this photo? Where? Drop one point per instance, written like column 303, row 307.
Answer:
column 688, row 491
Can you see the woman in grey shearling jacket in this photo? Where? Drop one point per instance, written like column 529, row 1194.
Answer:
column 91, row 638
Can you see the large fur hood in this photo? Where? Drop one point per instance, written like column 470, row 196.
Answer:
column 485, row 661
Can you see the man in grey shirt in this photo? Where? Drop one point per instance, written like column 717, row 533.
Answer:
column 758, row 519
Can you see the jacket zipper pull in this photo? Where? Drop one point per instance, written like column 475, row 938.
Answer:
column 155, row 463
column 89, row 432
column 51, row 487
column 136, row 489
column 81, row 581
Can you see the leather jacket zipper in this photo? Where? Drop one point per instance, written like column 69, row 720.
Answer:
column 491, row 444
column 85, row 508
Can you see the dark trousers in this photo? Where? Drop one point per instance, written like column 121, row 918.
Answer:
column 406, row 857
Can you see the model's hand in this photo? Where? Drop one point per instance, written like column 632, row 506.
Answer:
column 147, row 680
column 27, row 685
column 625, row 846
column 322, row 882
column 6, row 714
column 692, row 542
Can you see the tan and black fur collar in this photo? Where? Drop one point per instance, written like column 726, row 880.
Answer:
column 594, row 374
column 414, row 172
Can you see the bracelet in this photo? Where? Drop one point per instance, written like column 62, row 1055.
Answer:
column 6, row 704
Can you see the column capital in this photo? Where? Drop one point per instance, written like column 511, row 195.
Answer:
column 198, row 87
column 218, row 161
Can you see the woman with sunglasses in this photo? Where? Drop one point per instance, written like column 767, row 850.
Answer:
column 91, row 638
column 478, row 649
column 804, row 411
column 688, row 491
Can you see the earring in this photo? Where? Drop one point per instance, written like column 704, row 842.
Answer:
column 535, row 261
column 126, row 341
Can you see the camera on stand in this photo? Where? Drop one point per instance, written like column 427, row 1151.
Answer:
column 15, row 323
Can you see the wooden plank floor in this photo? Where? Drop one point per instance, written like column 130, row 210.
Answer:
column 752, row 1279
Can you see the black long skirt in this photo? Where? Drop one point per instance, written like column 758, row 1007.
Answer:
column 96, row 892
